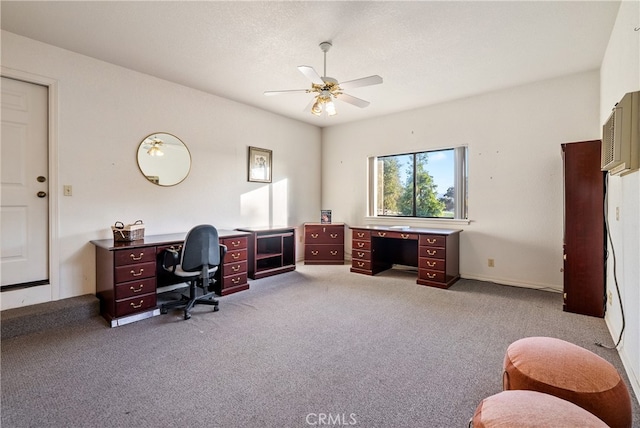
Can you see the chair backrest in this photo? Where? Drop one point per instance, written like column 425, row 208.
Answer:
column 201, row 247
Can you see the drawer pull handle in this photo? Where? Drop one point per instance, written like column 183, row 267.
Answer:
column 360, row 234
column 431, row 241
column 403, row 236
column 360, row 264
column 314, row 235
column 431, row 252
column 235, row 243
column 382, row 234
column 431, row 264
column 360, row 244
column 138, row 306
column 136, row 290
column 315, row 253
column 333, row 235
column 334, row 253
column 133, row 256
column 235, row 268
column 360, row 255
column 235, row 280
column 236, row 256
column 431, row 275
column 133, row 273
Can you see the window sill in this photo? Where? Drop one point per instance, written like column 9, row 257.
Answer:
column 415, row 222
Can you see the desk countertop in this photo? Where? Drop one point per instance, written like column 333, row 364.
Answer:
column 409, row 229
column 110, row 244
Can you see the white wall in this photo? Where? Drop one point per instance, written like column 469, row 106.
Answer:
column 620, row 73
column 515, row 170
column 104, row 112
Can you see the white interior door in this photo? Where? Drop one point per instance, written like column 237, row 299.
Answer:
column 24, row 235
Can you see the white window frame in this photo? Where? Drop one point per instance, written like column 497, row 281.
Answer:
column 461, row 158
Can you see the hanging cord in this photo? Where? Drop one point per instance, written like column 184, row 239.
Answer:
column 613, row 254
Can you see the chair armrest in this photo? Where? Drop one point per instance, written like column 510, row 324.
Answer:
column 223, row 252
column 170, row 259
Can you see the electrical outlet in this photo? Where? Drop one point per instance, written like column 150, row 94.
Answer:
column 68, row 191
column 610, row 297
column 618, row 213
column 490, row 263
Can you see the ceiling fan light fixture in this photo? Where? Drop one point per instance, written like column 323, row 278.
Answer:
column 155, row 150
column 326, row 89
column 317, row 107
column 330, row 108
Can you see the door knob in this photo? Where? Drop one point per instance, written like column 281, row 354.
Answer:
column 41, row 179
column 41, row 194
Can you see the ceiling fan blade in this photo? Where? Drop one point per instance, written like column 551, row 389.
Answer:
column 289, row 91
column 353, row 100
column 311, row 74
column 365, row 81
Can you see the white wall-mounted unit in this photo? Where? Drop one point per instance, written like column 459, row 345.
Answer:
column 621, row 137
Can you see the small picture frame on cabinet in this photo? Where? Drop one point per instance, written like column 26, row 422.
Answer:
column 325, row 216
column 259, row 168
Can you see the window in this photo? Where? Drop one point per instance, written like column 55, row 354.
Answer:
column 431, row 184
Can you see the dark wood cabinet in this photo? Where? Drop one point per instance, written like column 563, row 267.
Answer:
column 323, row 244
column 271, row 250
column 584, row 242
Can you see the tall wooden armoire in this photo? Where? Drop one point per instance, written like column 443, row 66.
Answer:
column 584, row 229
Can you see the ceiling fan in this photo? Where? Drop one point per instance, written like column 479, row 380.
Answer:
column 327, row 89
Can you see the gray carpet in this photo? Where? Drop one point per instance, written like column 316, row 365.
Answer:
column 319, row 342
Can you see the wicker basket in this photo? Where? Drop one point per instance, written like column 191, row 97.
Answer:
column 130, row 232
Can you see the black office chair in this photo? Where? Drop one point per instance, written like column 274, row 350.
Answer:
column 201, row 256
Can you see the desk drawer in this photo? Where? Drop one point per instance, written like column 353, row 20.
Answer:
column 234, row 268
column 361, row 264
column 133, row 256
column 431, row 275
column 235, row 256
column 324, row 252
column 135, row 304
column 396, row 235
column 433, row 252
column 234, row 280
column 361, row 254
column 135, row 272
column 361, row 245
column 433, row 240
column 234, row 243
column 135, row 288
column 431, row 264
column 365, row 235
column 325, row 234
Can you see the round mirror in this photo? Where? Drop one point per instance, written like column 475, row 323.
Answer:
column 164, row 159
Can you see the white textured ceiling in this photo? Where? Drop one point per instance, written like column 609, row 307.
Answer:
column 426, row 51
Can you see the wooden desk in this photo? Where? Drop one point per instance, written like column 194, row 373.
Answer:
column 128, row 274
column 435, row 252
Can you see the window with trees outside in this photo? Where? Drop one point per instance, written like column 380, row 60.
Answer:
column 430, row 184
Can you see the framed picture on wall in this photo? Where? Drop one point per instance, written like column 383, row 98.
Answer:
column 259, row 165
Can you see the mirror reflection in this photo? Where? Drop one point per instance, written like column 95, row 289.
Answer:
column 164, row 159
